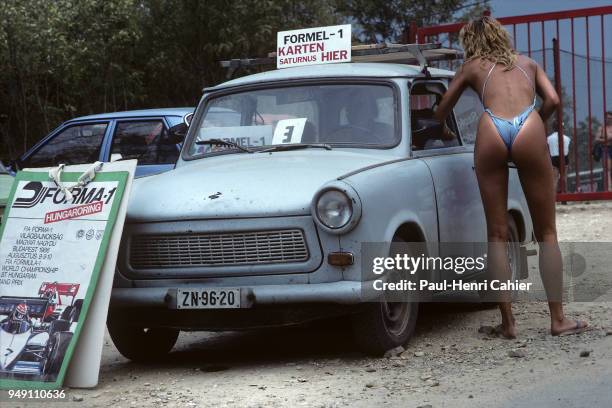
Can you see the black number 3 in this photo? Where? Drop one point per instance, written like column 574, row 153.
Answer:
column 288, row 134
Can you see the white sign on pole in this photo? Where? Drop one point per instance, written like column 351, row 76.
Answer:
column 310, row 46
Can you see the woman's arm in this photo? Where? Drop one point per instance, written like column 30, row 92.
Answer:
column 450, row 97
column 546, row 90
column 448, row 101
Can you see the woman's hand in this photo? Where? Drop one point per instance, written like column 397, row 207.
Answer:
column 447, row 133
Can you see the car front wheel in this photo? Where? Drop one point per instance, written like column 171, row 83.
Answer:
column 386, row 324
column 141, row 344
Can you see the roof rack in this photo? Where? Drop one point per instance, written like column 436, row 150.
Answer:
column 412, row 54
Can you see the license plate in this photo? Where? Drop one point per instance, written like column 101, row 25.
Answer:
column 209, row 298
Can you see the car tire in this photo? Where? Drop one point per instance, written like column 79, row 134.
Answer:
column 141, row 344
column 514, row 257
column 59, row 325
column 56, row 350
column 75, row 313
column 384, row 325
column 66, row 313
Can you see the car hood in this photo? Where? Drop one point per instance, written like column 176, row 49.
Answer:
column 242, row 185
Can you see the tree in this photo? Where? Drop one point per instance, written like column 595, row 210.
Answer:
column 383, row 20
column 61, row 58
column 194, row 36
column 65, row 58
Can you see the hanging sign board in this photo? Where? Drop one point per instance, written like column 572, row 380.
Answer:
column 52, row 249
column 311, row 46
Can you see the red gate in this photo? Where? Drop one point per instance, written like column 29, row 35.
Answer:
column 585, row 109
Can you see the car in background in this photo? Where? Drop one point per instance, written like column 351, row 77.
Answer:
column 146, row 135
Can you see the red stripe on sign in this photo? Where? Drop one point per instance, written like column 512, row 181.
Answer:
column 74, row 212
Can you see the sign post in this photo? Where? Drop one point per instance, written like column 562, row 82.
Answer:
column 57, row 257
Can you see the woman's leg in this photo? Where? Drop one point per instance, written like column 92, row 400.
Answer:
column 530, row 154
column 491, row 162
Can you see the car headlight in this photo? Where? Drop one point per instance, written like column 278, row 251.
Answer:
column 337, row 208
column 334, row 209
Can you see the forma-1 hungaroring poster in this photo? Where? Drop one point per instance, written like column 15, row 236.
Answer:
column 51, row 253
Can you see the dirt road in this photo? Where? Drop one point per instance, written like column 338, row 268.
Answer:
column 448, row 363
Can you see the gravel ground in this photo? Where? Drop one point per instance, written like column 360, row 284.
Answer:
column 586, row 222
column 448, row 363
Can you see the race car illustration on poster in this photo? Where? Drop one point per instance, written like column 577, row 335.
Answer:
column 35, row 331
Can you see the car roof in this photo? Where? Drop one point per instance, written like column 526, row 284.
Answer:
column 356, row 69
column 138, row 113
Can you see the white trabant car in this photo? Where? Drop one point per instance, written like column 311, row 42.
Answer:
column 263, row 219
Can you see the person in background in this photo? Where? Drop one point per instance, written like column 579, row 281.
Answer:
column 605, row 138
column 553, row 149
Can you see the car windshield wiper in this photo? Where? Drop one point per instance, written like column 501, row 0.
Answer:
column 219, row 142
column 296, row 146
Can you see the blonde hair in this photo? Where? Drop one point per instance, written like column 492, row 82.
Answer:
column 487, row 39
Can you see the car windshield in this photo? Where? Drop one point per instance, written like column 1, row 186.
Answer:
column 355, row 115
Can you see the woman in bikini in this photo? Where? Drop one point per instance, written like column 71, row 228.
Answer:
column 512, row 130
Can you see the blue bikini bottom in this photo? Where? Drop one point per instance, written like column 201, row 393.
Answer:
column 509, row 128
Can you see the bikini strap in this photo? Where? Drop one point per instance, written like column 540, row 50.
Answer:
column 485, row 83
column 526, row 76
column 530, row 81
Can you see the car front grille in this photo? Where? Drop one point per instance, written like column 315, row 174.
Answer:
column 218, row 249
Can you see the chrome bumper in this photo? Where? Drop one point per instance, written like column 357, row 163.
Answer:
column 342, row 292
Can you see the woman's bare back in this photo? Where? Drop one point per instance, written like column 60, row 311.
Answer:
column 507, row 93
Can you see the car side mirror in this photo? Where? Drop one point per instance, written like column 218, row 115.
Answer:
column 177, row 133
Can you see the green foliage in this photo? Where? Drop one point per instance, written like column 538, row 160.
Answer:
column 386, row 20
column 64, row 58
column 191, row 37
column 61, row 58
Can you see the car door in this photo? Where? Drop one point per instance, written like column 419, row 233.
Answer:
column 72, row 143
column 146, row 140
column 451, row 163
column 468, row 111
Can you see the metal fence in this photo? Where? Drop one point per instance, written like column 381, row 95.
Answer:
column 571, row 48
